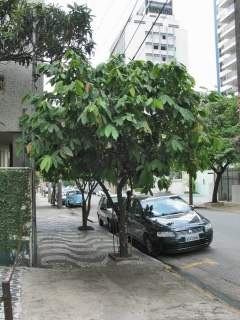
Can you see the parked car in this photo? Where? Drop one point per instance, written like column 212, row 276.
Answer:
column 106, row 215
column 73, row 198
column 167, row 224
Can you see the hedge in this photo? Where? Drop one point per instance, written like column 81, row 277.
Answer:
column 15, row 206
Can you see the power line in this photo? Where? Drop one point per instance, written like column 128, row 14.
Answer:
column 160, row 12
column 129, row 18
column 137, row 27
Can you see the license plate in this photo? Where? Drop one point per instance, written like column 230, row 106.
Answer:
column 192, row 237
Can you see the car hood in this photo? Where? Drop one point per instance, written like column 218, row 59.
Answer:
column 179, row 220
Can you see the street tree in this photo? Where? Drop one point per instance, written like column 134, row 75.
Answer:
column 224, row 128
column 194, row 157
column 50, row 149
column 57, row 31
column 120, row 121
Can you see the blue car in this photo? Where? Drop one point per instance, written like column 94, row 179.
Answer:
column 73, row 199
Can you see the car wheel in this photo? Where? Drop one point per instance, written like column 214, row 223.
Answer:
column 149, row 246
column 110, row 226
column 100, row 222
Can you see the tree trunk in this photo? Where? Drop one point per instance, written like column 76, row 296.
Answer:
column 123, row 237
column 53, row 194
column 84, row 214
column 216, row 185
column 190, row 189
column 59, row 194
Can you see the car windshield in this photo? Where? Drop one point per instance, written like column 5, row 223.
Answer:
column 158, row 207
column 114, row 200
column 72, row 193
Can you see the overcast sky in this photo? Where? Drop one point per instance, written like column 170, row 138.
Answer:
column 195, row 16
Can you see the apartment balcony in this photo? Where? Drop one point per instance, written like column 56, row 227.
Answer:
column 227, row 30
column 228, row 88
column 230, row 63
column 227, row 15
column 231, row 79
column 225, row 3
column 229, row 47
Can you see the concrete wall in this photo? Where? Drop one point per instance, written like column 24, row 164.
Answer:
column 236, row 193
column 17, row 83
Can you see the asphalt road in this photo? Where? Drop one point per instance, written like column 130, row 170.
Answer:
column 216, row 268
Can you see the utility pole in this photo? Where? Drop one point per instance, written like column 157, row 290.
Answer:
column 34, row 89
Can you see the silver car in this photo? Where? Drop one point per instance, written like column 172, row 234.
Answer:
column 106, row 215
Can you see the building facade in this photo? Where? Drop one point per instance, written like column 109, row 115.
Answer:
column 227, row 21
column 166, row 41
column 15, row 84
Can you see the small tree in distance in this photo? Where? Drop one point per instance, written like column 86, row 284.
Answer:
column 224, row 129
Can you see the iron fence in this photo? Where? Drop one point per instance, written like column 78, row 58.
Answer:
column 230, row 177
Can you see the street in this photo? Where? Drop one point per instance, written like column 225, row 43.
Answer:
column 217, row 267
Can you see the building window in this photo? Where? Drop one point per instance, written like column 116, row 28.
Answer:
column 4, row 156
column 155, row 47
column 176, row 175
column 164, row 59
column 164, row 37
column 163, row 47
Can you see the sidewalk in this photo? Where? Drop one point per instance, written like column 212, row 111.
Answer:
column 78, row 286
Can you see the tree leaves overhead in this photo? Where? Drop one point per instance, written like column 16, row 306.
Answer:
column 57, row 31
column 118, row 121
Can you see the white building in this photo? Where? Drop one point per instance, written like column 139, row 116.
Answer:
column 227, row 60
column 166, row 41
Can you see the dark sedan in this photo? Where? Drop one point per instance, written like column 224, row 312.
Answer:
column 167, row 224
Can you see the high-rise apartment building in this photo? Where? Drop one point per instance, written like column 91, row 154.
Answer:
column 227, row 17
column 166, row 41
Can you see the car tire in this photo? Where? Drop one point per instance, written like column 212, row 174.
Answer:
column 110, row 226
column 100, row 222
column 149, row 246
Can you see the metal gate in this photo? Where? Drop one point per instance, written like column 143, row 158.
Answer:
column 230, row 177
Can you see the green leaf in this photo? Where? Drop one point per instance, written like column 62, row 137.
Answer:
column 132, row 92
column 68, row 151
column 111, row 130
column 46, row 163
column 176, row 145
column 158, row 104
column 79, row 87
column 149, row 101
column 186, row 114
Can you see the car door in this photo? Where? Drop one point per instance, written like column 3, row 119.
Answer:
column 102, row 210
column 136, row 221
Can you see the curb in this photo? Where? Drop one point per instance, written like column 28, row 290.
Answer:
column 204, row 286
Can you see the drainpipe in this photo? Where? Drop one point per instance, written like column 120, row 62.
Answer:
column 216, row 44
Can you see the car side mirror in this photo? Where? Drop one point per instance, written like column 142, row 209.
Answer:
column 139, row 215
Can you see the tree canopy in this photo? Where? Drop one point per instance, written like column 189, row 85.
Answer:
column 56, row 31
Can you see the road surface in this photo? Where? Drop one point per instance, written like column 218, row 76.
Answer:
column 216, row 268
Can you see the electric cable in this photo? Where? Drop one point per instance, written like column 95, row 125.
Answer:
column 153, row 24
column 137, row 28
column 129, row 18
